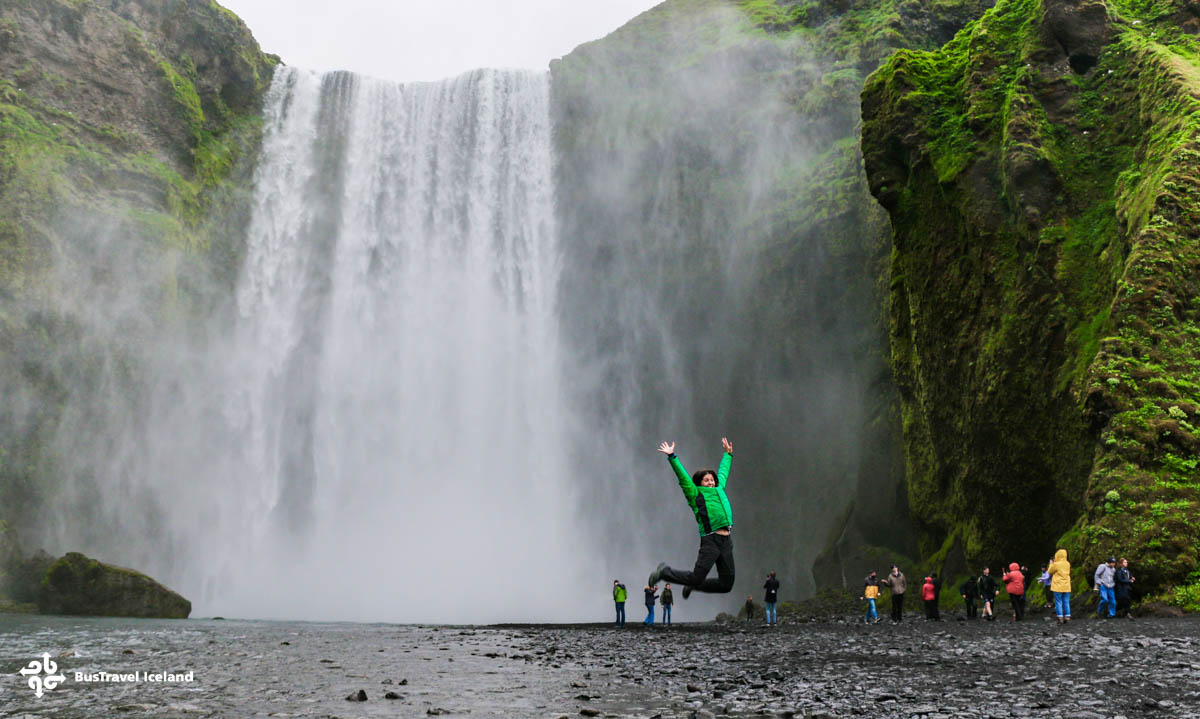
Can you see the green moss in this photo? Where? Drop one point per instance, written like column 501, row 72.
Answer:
column 1048, row 281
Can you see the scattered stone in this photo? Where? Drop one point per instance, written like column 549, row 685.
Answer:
column 359, row 696
column 392, row 695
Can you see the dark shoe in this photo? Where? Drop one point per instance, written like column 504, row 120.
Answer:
column 656, row 575
column 687, row 591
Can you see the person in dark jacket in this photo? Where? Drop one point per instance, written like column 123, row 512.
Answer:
column 1124, row 582
column 750, row 608
column 651, row 595
column 987, row 592
column 771, row 597
column 705, row 495
column 667, row 599
column 970, row 594
column 896, row 582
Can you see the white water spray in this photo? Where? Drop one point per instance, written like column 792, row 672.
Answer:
column 397, row 384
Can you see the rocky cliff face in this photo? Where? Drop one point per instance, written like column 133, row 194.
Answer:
column 126, row 131
column 1041, row 173
column 709, row 149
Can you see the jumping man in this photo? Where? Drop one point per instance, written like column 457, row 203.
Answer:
column 705, row 494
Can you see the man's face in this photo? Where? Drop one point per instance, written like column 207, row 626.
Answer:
column 708, row 480
column 1125, row 563
column 668, row 586
column 987, row 570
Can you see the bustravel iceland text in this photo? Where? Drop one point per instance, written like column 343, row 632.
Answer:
column 134, row 677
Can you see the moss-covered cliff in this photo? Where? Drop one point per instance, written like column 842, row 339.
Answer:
column 1042, row 173
column 709, row 162
column 127, row 128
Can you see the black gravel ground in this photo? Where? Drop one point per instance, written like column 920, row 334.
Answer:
column 1089, row 669
column 828, row 668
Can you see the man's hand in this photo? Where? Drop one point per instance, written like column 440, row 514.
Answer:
column 667, row 448
column 728, row 447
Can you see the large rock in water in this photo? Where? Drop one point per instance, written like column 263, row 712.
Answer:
column 76, row 584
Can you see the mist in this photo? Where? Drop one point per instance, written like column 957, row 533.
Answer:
column 464, row 315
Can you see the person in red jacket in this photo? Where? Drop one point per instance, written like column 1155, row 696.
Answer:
column 1014, row 584
column 929, row 594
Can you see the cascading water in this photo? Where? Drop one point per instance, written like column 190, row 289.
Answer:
column 456, row 340
column 397, row 384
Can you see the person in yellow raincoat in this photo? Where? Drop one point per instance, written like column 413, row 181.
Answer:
column 1060, row 585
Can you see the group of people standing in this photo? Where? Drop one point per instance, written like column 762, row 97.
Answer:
column 667, row 599
column 1112, row 579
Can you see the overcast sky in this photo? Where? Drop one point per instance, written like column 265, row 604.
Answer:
column 429, row 39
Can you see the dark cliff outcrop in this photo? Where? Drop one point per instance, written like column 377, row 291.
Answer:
column 128, row 129
column 1042, row 173
column 709, row 149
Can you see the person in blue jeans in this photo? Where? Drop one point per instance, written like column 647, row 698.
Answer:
column 1106, row 578
column 1060, row 585
column 667, row 600
column 871, row 593
column 651, row 595
column 771, row 597
column 619, row 597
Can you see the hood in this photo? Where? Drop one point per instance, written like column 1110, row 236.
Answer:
column 929, row 580
column 1060, row 555
column 1014, row 567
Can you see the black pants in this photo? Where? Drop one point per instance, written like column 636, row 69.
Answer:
column 971, row 611
column 1018, row 605
column 931, row 609
column 897, row 607
column 714, row 549
column 1123, row 604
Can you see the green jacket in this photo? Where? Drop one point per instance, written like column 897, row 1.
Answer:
column 619, row 593
column 709, row 504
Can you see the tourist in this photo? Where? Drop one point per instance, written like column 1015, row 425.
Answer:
column 1060, row 585
column 1044, row 580
column 871, row 593
column 771, row 597
column 1105, row 577
column 750, row 608
column 987, row 592
column 929, row 595
column 1014, row 584
column 969, row 590
column 666, row 600
column 1124, row 584
column 897, row 584
column 705, row 494
column 651, row 595
column 619, row 596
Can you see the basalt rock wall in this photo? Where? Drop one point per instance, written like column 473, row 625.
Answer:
column 1042, row 175
column 127, row 132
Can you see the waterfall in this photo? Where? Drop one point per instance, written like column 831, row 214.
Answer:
column 401, row 449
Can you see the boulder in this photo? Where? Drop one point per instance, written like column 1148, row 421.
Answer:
column 76, row 584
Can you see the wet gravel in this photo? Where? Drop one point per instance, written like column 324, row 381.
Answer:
column 1087, row 670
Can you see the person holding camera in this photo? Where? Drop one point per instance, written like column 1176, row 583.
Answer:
column 771, row 597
